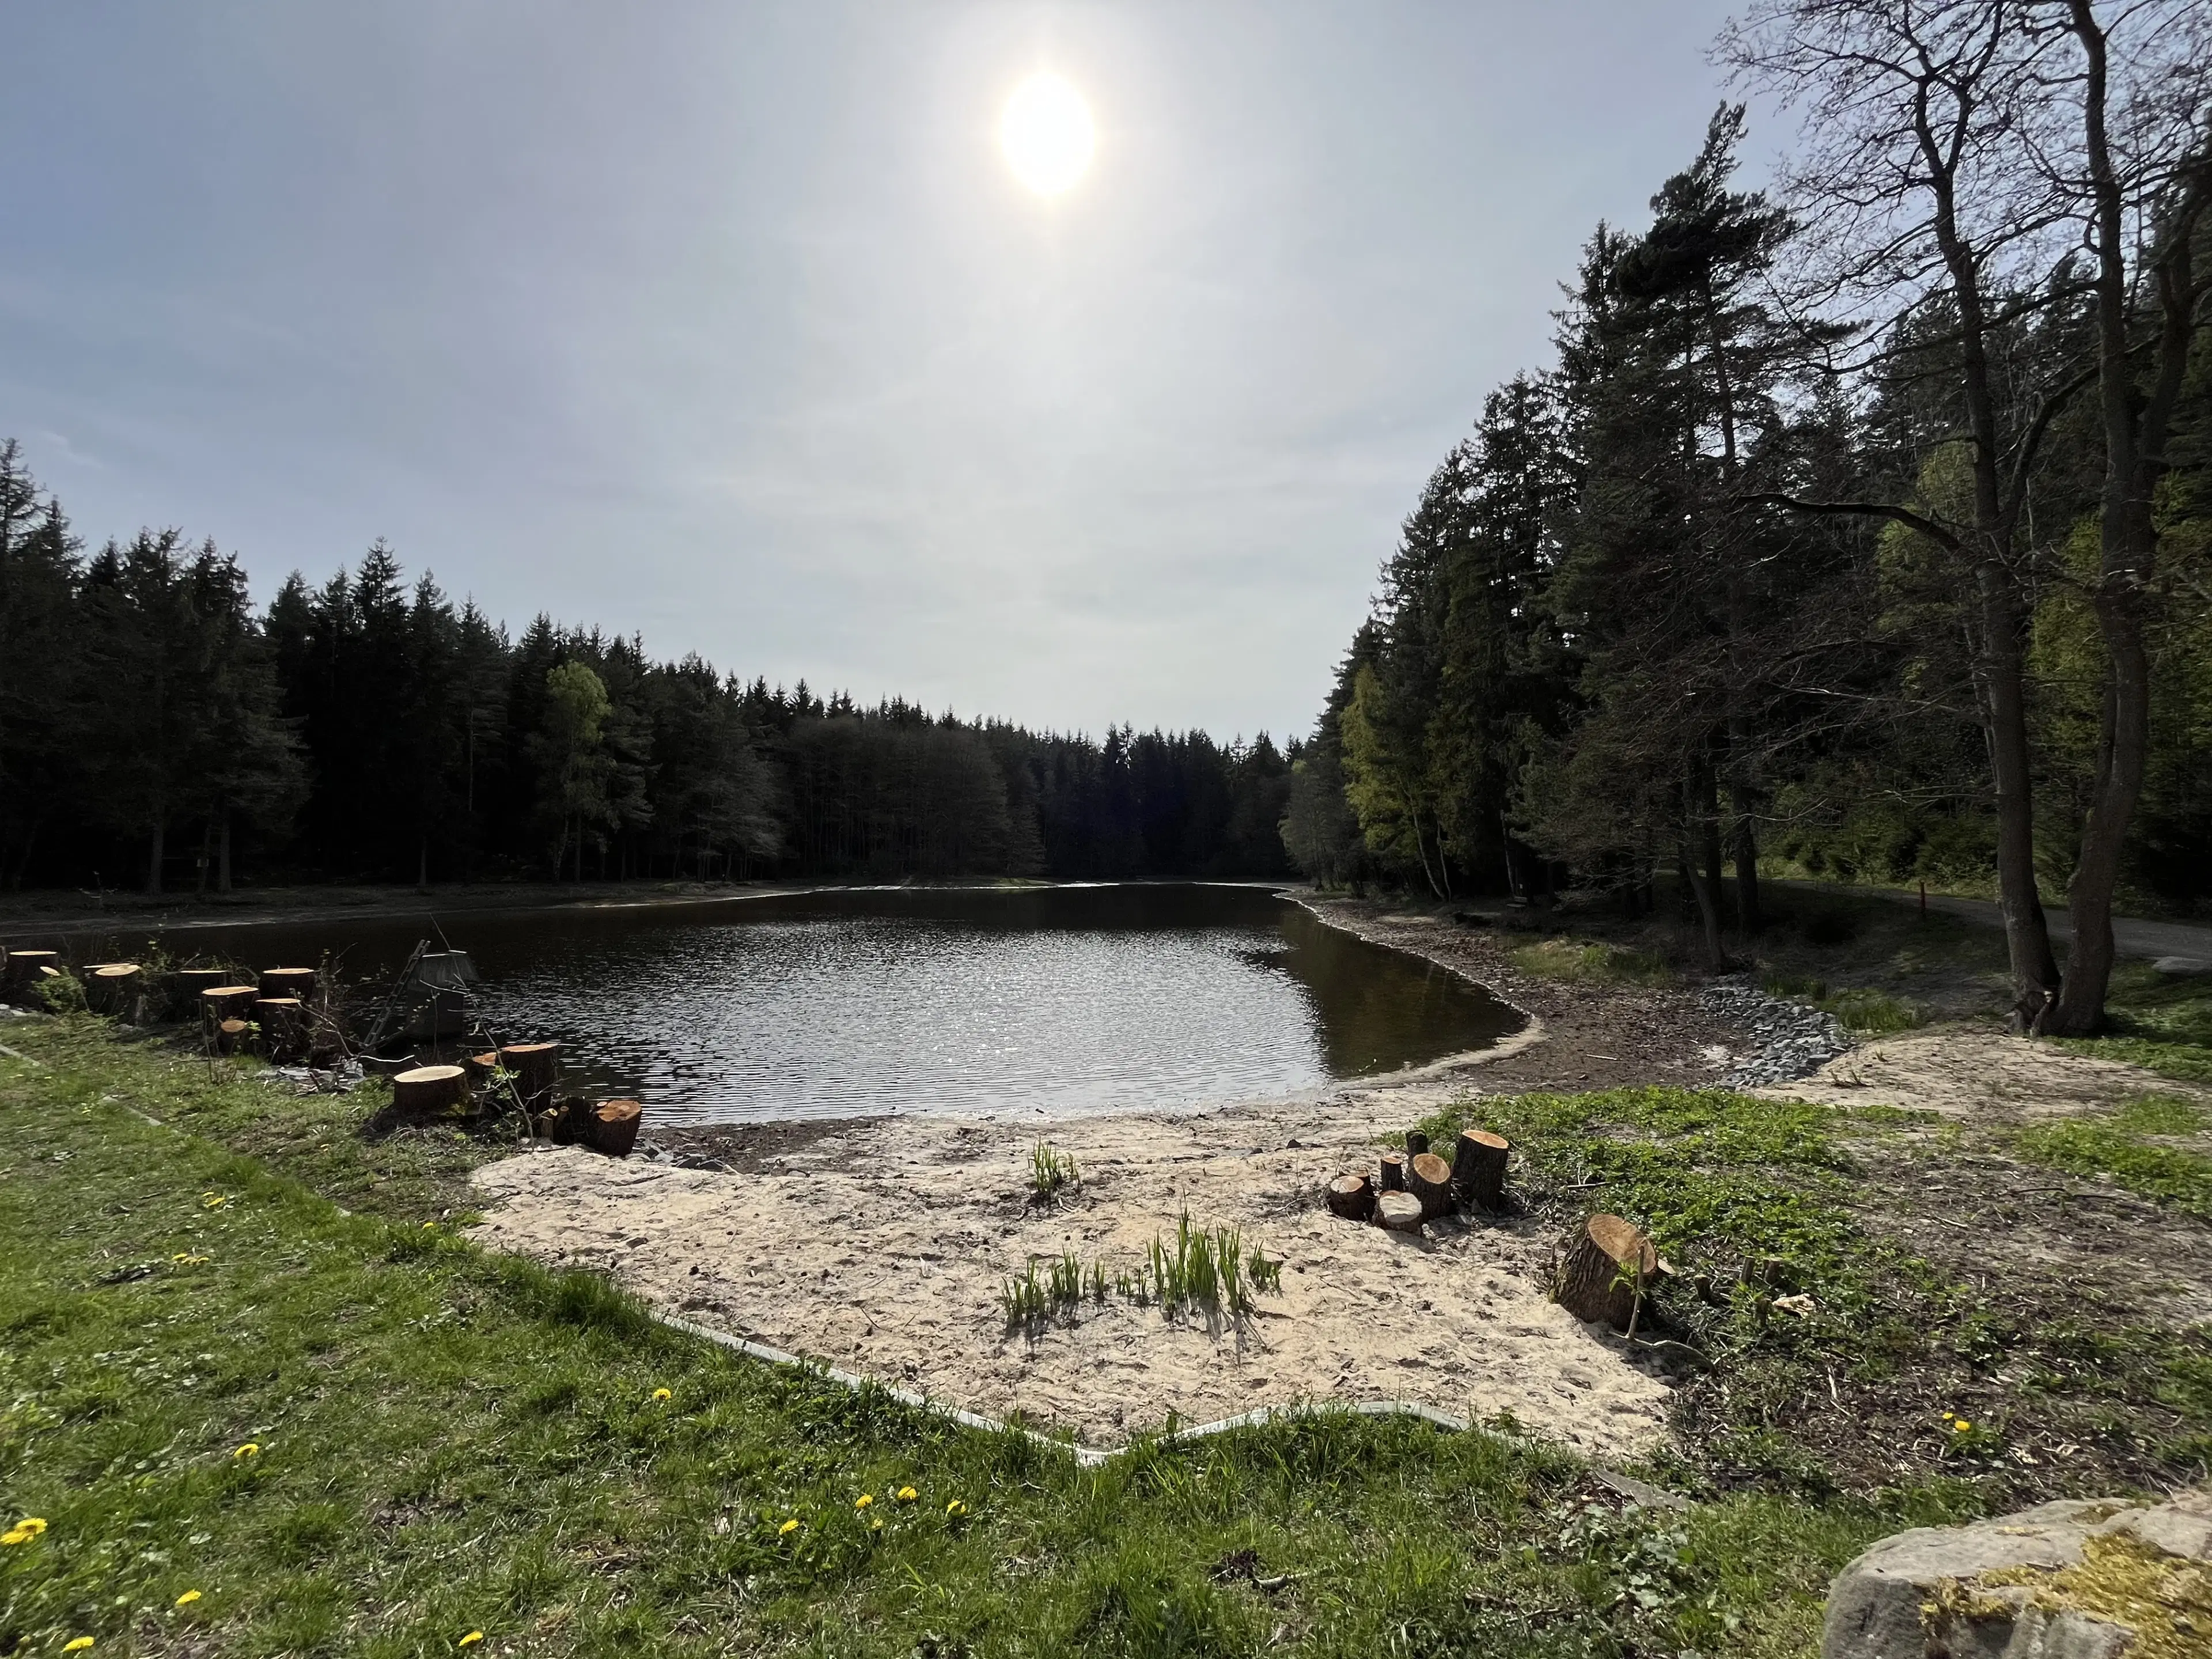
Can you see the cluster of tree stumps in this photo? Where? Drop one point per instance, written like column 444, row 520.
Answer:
column 1410, row 1189
column 1604, row 1271
column 291, row 1017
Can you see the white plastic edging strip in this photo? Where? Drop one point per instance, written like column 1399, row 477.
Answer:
column 1089, row 1457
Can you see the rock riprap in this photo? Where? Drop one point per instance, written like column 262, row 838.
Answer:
column 2095, row 1578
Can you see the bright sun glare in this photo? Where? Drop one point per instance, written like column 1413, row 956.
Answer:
column 1047, row 135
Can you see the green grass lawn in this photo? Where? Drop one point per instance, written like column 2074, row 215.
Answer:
column 446, row 1442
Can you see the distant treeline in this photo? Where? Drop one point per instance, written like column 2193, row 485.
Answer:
column 1868, row 525
column 158, row 731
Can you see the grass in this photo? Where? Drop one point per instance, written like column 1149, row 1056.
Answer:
column 1050, row 1170
column 1863, row 1009
column 2085, row 1147
column 2162, row 1024
column 450, row 1441
column 1206, row 1269
column 1592, row 965
column 1750, row 1200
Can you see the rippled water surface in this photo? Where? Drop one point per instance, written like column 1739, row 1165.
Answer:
column 1057, row 1000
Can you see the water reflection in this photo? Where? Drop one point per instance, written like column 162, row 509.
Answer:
column 1060, row 1000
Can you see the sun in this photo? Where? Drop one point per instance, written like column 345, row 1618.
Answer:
column 1047, row 134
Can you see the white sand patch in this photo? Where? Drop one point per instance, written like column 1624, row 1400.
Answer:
column 881, row 1250
column 1967, row 1070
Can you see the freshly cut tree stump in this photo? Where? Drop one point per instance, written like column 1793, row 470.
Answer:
column 277, row 982
column 614, row 1126
column 21, row 980
column 1393, row 1165
column 1606, row 1270
column 481, row 1066
column 1352, row 1196
column 230, row 1036
column 229, row 1002
column 430, row 1089
column 1478, row 1168
column 1416, row 1143
column 378, row 1066
column 1429, row 1178
column 536, row 1068
column 283, row 1025
column 188, row 982
column 114, row 988
column 1399, row 1211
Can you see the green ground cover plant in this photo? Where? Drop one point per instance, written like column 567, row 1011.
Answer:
column 1859, row 1008
column 446, row 1442
column 2162, row 1024
column 1818, row 1351
column 1592, row 965
column 2085, row 1147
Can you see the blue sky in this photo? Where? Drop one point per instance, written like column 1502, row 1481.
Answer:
column 729, row 325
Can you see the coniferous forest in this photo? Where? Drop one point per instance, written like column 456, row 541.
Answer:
column 159, row 731
column 1863, row 525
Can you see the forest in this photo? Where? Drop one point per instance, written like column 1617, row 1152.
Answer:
column 1860, row 528
column 157, row 731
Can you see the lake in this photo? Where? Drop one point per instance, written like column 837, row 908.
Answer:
column 1056, row 1001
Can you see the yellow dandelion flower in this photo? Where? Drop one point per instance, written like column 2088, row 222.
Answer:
column 473, row 1637
column 955, row 1509
column 786, row 1528
column 863, row 1500
column 30, row 1526
column 208, row 1201
column 76, row 1644
column 16, row 1536
column 1962, row 1426
column 907, row 1494
column 662, row 1394
column 188, row 1598
column 251, row 1449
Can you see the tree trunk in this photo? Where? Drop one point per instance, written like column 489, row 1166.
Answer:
column 228, row 1002
column 1748, row 916
column 283, row 1022
column 154, row 854
column 1352, row 1196
column 1401, row 1212
column 1429, row 1178
column 222, row 855
column 428, row 1089
column 1393, row 1169
column 536, row 1068
column 200, row 872
column 2027, row 935
column 1478, row 1168
column 423, row 863
column 116, row 987
column 296, row 983
column 614, row 1125
column 1604, row 1274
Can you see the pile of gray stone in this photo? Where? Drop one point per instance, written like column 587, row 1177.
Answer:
column 1788, row 1040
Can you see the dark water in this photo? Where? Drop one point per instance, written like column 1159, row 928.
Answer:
column 1057, row 1000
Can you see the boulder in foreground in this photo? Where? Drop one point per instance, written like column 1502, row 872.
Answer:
column 2082, row 1578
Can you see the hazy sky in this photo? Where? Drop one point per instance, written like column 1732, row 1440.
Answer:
column 729, row 323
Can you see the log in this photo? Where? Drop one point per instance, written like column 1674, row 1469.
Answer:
column 1429, row 1178
column 1392, row 1166
column 21, row 980
column 1399, row 1211
column 1478, row 1168
column 430, row 1089
column 1605, row 1271
column 1416, row 1143
column 614, row 1124
column 230, row 1036
column 1352, row 1196
column 283, row 1025
column 536, row 1068
column 280, row 982
column 114, row 988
